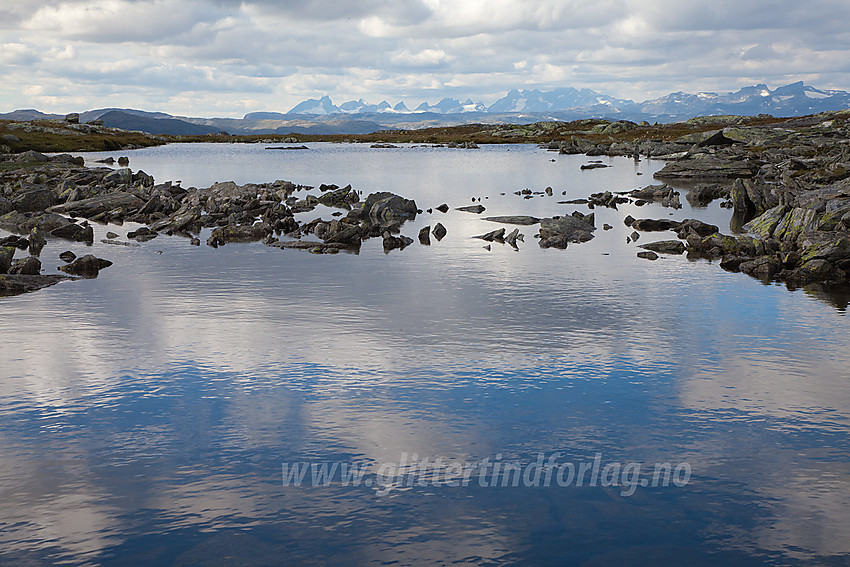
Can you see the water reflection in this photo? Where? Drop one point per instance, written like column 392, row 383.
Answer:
column 146, row 413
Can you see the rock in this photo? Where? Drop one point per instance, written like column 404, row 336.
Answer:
column 557, row 232
column 234, row 233
column 17, row 284
column 118, row 201
column 634, row 236
column 36, row 242
column 629, row 220
column 142, row 234
column 7, row 253
column 706, row 166
column 694, row 226
column 340, row 198
column 513, row 236
column 387, row 208
column 439, row 231
column 6, row 205
column 29, row 266
column 523, row 220
column 72, row 118
column 425, row 235
column 593, row 166
column 444, row 208
column 21, row 223
column 702, row 195
column 341, row 232
column 654, row 225
column 112, row 235
column 35, row 199
column 647, row 254
column 392, row 242
column 74, row 232
column 764, row 225
column 67, row 256
column 31, row 157
column 477, row 209
column 497, row 235
column 123, row 161
column 86, row 266
column 195, row 241
column 665, row 247
column 607, row 226
column 763, row 267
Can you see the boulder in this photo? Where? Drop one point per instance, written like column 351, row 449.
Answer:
column 67, row 256
column 425, row 235
column 654, row 225
column 439, row 231
column 557, row 232
column 74, row 232
column 86, row 266
column 37, row 242
column 34, row 199
column 388, row 208
column 6, row 205
column 340, row 198
column 7, row 253
column 706, row 166
column 341, row 232
column 29, row 266
column 665, row 247
column 497, row 235
column 694, row 226
column 444, row 208
column 118, row 201
column 763, row 225
column 236, row 233
column 647, row 254
column 392, row 242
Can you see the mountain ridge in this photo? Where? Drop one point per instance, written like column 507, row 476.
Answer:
column 518, row 106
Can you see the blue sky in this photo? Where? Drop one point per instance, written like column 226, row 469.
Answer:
column 229, row 57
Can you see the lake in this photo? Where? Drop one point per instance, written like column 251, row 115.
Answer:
column 470, row 406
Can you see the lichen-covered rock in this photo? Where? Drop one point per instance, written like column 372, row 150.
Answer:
column 763, row 225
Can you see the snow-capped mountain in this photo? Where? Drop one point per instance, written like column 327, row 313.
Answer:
column 322, row 106
column 558, row 99
column 790, row 100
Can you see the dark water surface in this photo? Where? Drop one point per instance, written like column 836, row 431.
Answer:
column 146, row 415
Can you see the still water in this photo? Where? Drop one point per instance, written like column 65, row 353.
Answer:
column 146, row 416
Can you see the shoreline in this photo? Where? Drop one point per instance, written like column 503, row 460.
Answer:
column 788, row 185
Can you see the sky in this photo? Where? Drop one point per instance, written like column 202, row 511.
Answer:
column 229, row 57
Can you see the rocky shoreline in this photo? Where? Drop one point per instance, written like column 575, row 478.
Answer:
column 788, row 185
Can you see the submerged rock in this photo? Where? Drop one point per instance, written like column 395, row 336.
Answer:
column 477, row 209
column 87, row 266
column 523, row 220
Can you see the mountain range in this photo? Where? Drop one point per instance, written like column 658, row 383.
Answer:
column 322, row 116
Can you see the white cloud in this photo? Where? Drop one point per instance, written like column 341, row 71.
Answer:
column 277, row 53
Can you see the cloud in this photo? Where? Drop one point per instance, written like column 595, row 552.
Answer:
column 277, row 53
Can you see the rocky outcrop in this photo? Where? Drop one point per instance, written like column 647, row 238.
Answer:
column 558, row 232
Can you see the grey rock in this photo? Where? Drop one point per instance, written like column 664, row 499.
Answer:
column 665, row 246
column 86, row 266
